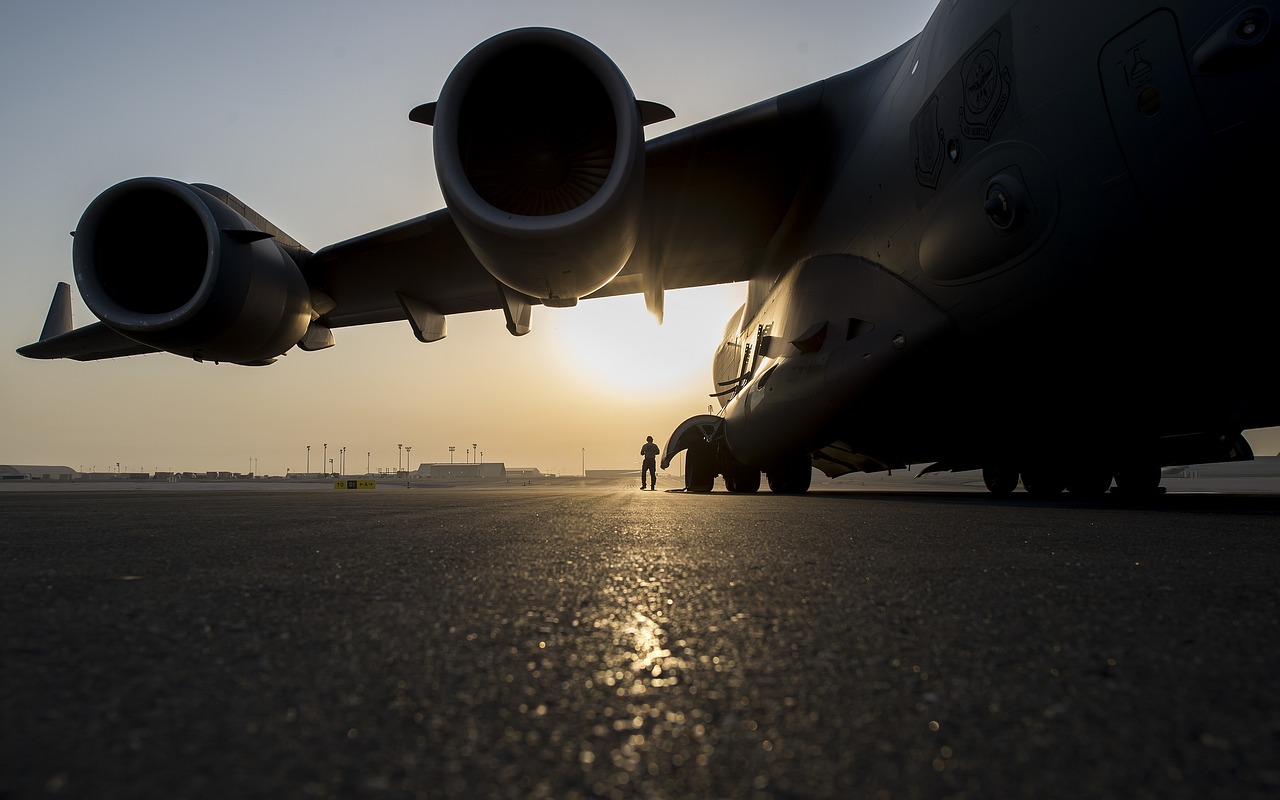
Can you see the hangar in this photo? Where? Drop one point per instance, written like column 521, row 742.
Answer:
column 24, row 472
column 485, row 470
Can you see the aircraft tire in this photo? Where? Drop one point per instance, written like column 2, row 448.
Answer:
column 1138, row 479
column 1086, row 481
column 791, row 478
column 742, row 480
column 1043, row 481
column 1001, row 480
column 699, row 468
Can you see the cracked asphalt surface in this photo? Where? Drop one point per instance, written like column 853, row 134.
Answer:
column 597, row 641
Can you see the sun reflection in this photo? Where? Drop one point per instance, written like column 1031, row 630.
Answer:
column 643, row 651
column 651, row 654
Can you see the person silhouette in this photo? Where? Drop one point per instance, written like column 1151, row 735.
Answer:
column 650, row 467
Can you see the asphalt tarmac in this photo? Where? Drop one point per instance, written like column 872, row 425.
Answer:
column 597, row 641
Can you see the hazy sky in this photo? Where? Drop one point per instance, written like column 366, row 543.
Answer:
column 300, row 109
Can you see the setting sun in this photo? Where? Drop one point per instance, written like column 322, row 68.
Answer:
column 616, row 345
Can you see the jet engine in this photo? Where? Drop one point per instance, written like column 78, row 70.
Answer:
column 173, row 266
column 539, row 148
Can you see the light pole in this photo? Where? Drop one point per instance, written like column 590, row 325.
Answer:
column 368, row 460
column 584, row 462
column 451, row 449
column 475, row 452
column 325, row 458
column 344, row 461
column 399, row 453
column 308, row 459
column 407, row 462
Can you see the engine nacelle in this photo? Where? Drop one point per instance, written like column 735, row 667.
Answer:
column 172, row 266
column 539, row 148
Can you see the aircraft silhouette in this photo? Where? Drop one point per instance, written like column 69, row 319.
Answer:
column 1002, row 245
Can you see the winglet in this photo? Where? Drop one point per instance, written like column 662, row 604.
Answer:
column 58, row 321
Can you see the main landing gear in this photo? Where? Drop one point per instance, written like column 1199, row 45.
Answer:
column 1134, row 469
column 705, row 460
column 1079, row 480
column 792, row 477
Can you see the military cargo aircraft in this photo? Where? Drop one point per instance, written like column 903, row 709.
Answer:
column 1002, row 245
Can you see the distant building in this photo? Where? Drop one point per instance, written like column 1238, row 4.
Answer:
column 488, row 470
column 524, row 472
column 22, row 472
column 101, row 477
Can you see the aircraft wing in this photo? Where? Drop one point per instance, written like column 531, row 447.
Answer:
column 715, row 195
column 552, row 194
column 92, row 342
column 718, row 193
column 89, row 343
column 424, row 258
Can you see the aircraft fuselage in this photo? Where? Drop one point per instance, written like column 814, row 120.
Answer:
column 1040, row 219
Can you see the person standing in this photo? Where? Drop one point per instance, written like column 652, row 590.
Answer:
column 649, row 451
